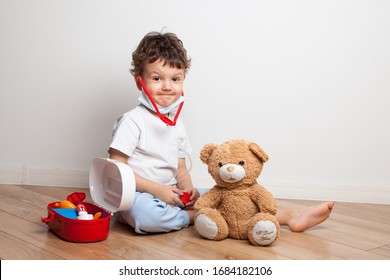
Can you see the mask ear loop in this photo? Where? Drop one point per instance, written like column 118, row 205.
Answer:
column 165, row 119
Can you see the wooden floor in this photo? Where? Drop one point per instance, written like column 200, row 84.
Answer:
column 354, row 231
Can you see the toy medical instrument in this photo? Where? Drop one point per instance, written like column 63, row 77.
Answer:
column 82, row 213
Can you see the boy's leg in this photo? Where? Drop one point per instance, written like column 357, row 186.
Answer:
column 151, row 215
column 300, row 219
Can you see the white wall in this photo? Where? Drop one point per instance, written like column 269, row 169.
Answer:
column 307, row 80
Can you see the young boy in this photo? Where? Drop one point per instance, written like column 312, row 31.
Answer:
column 152, row 139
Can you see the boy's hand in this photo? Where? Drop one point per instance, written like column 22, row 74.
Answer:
column 170, row 195
column 194, row 195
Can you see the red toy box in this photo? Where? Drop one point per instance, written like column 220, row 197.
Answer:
column 112, row 187
column 75, row 230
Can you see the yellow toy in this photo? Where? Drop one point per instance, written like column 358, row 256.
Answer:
column 237, row 206
column 65, row 204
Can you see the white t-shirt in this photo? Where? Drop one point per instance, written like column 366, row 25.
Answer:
column 153, row 147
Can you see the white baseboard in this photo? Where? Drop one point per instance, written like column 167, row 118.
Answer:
column 44, row 176
column 280, row 189
column 316, row 190
column 330, row 192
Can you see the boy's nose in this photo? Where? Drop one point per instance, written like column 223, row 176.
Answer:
column 167, row 85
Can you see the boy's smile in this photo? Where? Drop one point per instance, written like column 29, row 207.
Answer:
column 164, row 83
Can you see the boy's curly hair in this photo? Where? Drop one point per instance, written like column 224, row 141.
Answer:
column 155, row 46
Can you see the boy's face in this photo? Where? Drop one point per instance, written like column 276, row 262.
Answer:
column 164, row 83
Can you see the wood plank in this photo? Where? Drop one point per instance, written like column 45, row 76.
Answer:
column 184, row 244
column 328, row 249
column 349, row 239
column 353, row 231
column 40, row 236
column 230, row 249
column 360, row 227
column 383, row 250
column 115, row 244
column 12, row 248
column 27, row 196
column 59, row 193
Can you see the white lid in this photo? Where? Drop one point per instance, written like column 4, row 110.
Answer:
column 112, row 184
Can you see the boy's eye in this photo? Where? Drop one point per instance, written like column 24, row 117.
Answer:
column 176, row 79
column 156, row 78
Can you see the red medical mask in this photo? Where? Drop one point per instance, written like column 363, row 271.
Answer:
column 165, row 119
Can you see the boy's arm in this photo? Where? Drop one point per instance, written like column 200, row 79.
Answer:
column 165, row 193
column 183, row 177
column 184, row 181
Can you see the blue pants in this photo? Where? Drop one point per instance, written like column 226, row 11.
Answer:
column 151, row 215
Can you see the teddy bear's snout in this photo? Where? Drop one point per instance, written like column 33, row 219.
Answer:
column 231, row 173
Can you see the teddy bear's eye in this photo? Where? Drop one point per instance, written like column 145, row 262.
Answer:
column 220, row 164
column 241, row 162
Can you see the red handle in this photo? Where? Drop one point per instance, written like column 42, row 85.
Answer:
column 49, row 218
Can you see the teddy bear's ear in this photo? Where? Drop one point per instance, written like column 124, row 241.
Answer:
column 206, row 152
column 258, row 152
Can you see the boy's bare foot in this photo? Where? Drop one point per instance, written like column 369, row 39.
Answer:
column 300, row 219
column 191, row 213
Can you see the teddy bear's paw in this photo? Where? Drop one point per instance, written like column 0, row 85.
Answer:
column 264, row 233
column 206, row 227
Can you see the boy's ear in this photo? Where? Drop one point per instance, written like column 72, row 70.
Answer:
column 137, row 82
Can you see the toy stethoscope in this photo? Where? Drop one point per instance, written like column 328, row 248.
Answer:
column 165, row 119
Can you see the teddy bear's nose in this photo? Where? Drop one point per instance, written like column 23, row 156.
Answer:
column 230, row 168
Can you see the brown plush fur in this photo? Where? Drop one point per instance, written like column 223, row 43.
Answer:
column 236, row 207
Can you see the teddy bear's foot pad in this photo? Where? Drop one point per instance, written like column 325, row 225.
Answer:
column 206, row 227
column 264, row 232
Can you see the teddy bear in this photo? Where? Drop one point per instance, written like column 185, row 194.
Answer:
column 237, row 206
